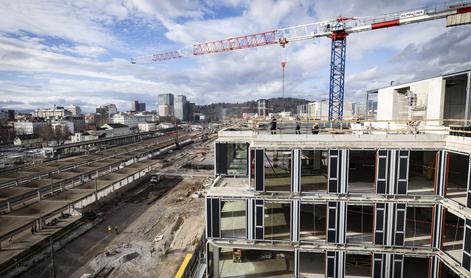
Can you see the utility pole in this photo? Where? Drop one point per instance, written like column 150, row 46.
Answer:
column 176, row 133
column 96, row 186
column 283, row 64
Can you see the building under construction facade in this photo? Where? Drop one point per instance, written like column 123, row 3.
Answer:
column 363, row 202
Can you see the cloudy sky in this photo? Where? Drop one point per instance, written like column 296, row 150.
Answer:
column 77, row 52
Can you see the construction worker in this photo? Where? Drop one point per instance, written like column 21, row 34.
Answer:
column 116, row 229
column 109, row 229
column 298, row 125
column 273, row 125
column 315, row 128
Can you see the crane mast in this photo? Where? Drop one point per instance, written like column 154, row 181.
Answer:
column 337, row 30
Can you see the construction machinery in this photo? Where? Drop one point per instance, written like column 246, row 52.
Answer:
column 337, row 30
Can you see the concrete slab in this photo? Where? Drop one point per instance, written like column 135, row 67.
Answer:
column 112, row 177
column 64, row 175
column 71, row 195
column 5, row 180
column 10, row 223
column 91, row 185
column 38, row 209
column 125, row 171
column 39, row 183
column 274, row 266
column 9, row 175
column 10, row 192
column 82, row 169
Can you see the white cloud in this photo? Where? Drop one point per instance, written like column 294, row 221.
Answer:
column 71, row 66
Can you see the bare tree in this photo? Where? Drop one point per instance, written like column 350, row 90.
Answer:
column 61, row 133
column 65, row 133
column 46, row 133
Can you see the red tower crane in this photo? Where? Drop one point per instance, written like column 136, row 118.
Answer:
column 337, row 30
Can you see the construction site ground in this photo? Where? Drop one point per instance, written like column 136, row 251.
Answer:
column 158, row 224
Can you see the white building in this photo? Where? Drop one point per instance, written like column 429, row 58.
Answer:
column 75, row 110
column 165, row 125
column 114, row 130
column 30, row 141
column 319, row 110
column 82, row 136
column 124, row 119
column 131, row 120
column 146, row 127
column 164, row 110
column 48, row 113
column 28, row 127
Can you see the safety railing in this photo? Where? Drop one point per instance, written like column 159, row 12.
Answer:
column 455, row 127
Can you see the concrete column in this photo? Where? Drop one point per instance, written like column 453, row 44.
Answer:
column 216, row 262
column 468, row 100
column 316, row 165
column 39, row 195
column 8, row 206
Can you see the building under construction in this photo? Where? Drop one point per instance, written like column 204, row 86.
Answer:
column 387, row 197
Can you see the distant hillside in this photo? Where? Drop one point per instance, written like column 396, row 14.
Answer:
column 219, row 111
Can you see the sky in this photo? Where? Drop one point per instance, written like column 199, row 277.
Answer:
column 64, row 52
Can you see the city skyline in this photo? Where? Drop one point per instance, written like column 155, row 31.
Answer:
column 81, row 52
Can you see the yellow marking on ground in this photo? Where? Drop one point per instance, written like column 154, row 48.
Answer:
column 183, row 266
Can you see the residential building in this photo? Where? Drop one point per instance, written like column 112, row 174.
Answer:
column 75, row 110
column 181, row 108
column 358, row 110
column 113, row 129
column 63, row 125
column 83, row 136
column 359, row 202
column 7, row 115
column 131, row 120
column 101, row 116
column 168, row 100
column 110, row 108
column 319, row 110
column 263, row 108
column 147, row 126
column 28, row 141
column 137, row 106
column 125, row 119
column 51, row 113
column 164, row 111
column 28, row 126
column 105, row 112
column 165, row 126
column 78, row 122
column 191, row 112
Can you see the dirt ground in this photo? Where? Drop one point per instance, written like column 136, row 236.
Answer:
column 154, row 234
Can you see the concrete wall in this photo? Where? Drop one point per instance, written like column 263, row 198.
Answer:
column 430, row 93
